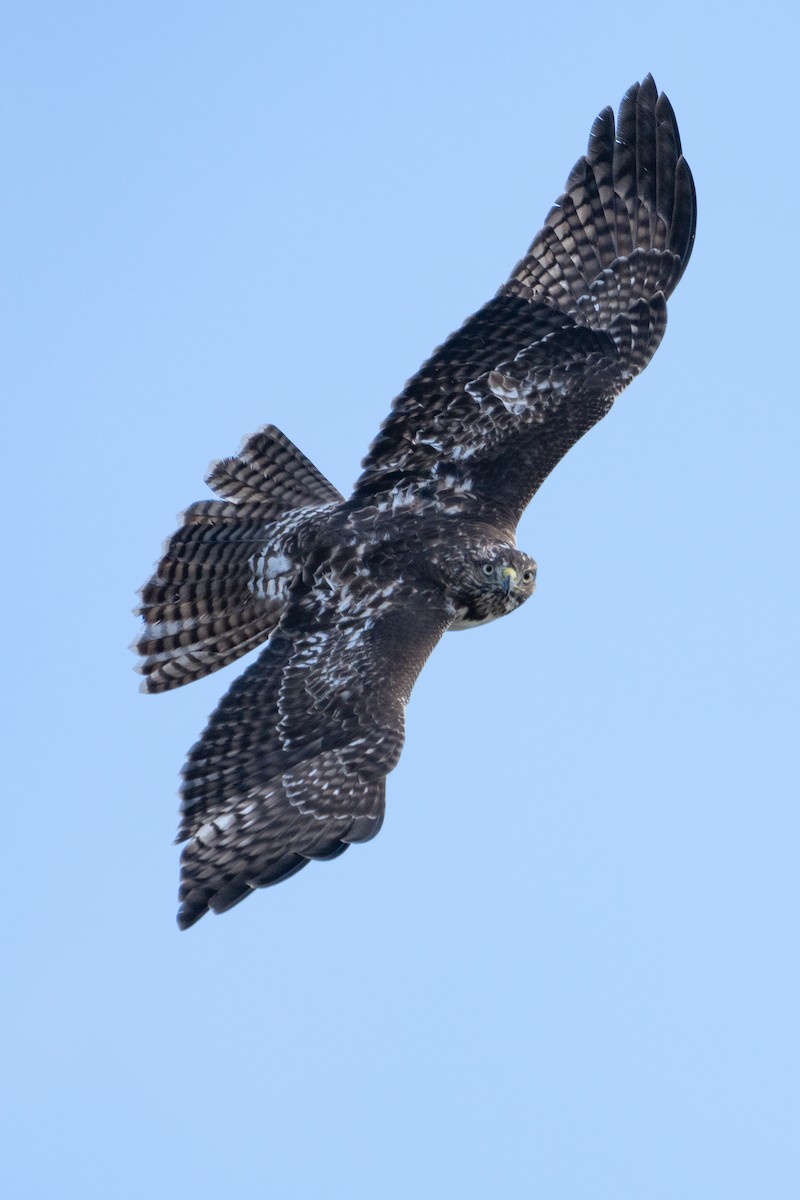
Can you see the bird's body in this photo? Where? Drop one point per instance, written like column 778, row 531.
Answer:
column 354, row 594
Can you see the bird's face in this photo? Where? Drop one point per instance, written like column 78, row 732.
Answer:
column 492, row 585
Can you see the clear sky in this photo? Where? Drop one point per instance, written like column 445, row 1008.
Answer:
column 568, row 966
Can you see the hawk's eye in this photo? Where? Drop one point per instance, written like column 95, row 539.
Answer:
column 487, row 569
column 527, row 576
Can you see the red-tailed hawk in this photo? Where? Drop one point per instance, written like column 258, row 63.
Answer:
column 354, row 594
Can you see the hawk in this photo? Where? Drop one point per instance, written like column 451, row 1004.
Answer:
column 353, row 594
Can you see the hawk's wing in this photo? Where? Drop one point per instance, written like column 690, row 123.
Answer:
column 501, row 402
column 293, row 763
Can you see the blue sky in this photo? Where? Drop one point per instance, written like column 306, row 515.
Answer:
column 569, row 964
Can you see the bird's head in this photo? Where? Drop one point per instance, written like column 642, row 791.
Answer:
column 492, row 584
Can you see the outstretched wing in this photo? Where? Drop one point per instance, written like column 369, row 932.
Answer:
column 500, row 403
column 293, row 763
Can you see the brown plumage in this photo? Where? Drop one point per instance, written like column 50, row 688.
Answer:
column 354, row 594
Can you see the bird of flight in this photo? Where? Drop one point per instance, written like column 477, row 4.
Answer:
column 353, row 594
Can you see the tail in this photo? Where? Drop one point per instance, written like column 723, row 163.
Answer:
column 220, row 587
column 616, row 243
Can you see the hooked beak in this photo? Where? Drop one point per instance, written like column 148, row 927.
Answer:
column 509, row 580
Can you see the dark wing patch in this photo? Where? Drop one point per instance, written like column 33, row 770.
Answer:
column 292, row 765
column 580, row 316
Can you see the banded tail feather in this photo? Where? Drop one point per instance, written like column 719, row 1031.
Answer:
column 220, row 587
column 271, row 470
